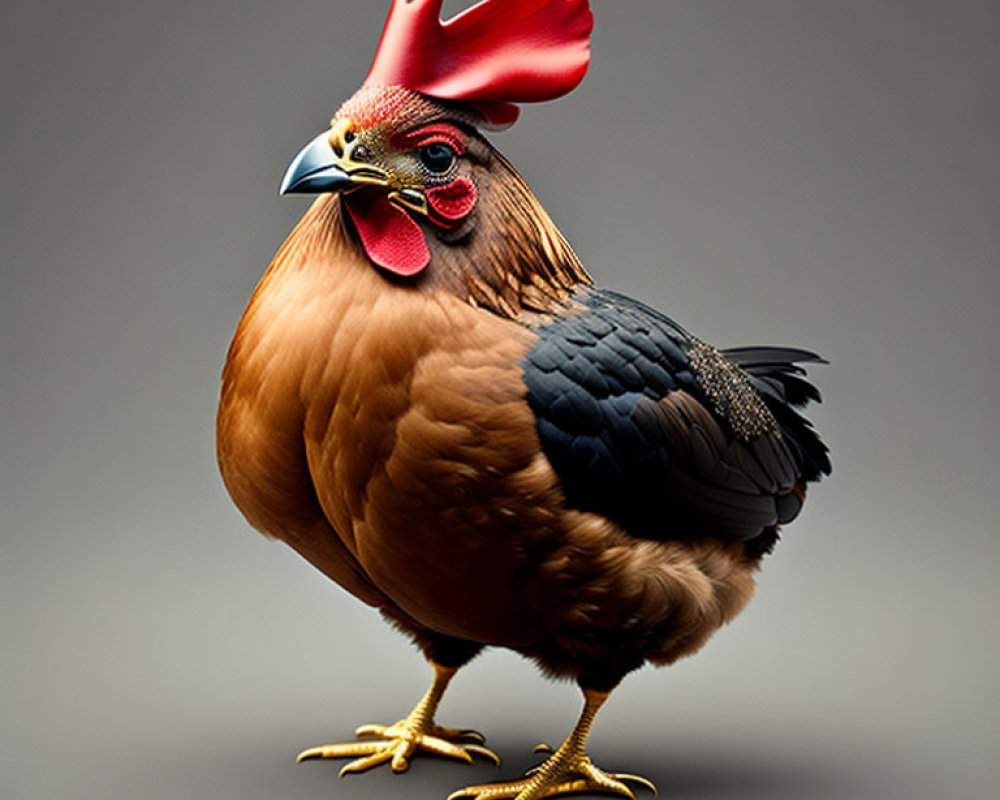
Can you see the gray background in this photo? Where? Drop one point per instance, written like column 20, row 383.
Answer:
column 780, row 171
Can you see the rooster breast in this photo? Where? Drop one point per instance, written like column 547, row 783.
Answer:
column 424, row 456
column 383, row 432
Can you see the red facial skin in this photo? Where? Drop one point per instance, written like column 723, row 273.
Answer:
column 452, row 203
column 438, row 133
column 390, row 235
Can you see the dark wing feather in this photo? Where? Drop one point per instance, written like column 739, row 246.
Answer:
column 647, row 425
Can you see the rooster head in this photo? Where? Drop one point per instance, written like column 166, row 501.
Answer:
column 406, row 153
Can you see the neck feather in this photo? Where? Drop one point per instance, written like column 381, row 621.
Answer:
column 512, row 259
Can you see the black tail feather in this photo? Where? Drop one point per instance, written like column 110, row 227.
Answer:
column 781, row 383
column 772, row 356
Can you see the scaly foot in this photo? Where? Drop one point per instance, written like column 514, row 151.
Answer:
column 416, row 732
column 566, row 772
column 397, row 743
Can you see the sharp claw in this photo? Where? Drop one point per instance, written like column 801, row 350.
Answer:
column 370, row 730
column 469, row 791
column 458, row 734
column 475, row 736
column 624, row 776
column 485, row 752
column 542, row 748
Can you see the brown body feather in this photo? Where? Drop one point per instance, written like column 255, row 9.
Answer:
column 381, row 429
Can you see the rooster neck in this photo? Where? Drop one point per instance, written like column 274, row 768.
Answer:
column 512, row 259
column 509, row 258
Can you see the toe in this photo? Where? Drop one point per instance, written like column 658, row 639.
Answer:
column 338, row 751
column 401, row 756
column 362, row 764
column 371, row 730
column 490, row 791
column 440, row 747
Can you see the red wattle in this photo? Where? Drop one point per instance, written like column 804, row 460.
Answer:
column 389, row 235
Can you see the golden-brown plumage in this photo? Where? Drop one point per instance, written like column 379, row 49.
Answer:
column 382, row 432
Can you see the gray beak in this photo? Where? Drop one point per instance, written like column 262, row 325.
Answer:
column 314, row 170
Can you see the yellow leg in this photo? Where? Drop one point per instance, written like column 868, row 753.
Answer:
column 568, row 770
column 417, row 731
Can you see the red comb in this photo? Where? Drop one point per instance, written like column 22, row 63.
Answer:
column 497, row 53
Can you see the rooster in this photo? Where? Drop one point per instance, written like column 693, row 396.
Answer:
column 428, row 398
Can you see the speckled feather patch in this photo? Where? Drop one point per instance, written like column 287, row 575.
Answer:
column 731, row 393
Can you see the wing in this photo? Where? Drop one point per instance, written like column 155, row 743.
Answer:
column 664, row 434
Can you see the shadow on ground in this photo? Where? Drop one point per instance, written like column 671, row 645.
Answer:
column 262, row 770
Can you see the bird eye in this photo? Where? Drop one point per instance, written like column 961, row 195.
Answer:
column 438, row 158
